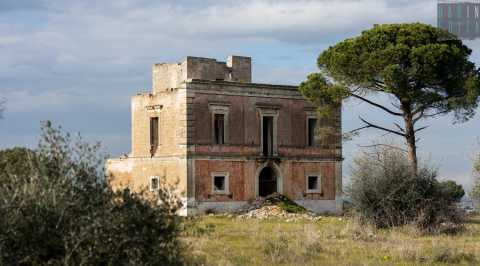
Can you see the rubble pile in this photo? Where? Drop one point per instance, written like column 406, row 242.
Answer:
column 277, row 206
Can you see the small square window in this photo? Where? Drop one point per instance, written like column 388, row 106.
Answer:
column 313, row 183
column 220, row 183
column 154, row 183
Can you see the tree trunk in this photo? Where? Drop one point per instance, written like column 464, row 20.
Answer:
column 410, row 137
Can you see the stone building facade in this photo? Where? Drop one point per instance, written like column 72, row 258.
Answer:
column 223, row 140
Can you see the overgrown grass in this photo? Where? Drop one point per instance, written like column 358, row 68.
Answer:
column 220, row 240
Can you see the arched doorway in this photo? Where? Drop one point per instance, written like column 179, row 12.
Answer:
column 267, row 182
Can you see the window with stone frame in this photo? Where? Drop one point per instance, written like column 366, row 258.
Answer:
column 220, row 120
column 220, row 183
column 268, row 115
column 314, row 184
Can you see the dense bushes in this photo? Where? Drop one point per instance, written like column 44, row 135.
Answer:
column 385, row 192
column 59, row 210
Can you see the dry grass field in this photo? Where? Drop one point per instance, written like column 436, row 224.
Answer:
column 223, row 240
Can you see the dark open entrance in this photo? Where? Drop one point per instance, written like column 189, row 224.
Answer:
column 267, row 136
column 267, row 182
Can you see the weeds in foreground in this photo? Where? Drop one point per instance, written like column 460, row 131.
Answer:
column 276, row 250
column 330, row 241
column 451, row 255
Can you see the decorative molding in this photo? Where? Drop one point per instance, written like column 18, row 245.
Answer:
column 268, row 106
column 224, row 109
column 154, row 108
column 218, row 104
column 263, row 112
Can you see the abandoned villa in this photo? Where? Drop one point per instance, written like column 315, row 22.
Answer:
column 224, row 141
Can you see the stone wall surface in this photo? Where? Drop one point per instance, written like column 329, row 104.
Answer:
column 170, row 108
column 171, row 75
column 135, row 173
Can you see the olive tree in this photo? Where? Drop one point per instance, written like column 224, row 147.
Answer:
column 425, row 72
column 385, row 193
column 57, row 209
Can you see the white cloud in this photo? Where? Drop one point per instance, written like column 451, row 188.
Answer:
column 299, row 21
column 291, row 21
column 67, row 58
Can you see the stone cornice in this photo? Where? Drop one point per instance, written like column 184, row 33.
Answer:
column 244, row 89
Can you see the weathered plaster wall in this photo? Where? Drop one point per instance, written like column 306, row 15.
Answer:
column 135, row 173
column 170, row 108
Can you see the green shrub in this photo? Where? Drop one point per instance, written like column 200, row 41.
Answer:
column 16, row 162
column 62, row 212
column 385, row 192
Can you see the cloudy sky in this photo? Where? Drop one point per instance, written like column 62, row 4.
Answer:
column 78, row 62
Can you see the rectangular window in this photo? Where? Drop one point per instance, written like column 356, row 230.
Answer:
column 154, row 183
column 154, row 134
column 313, row 184
column 267, row 135
column 219, row 183
column 219, row 127
column 311, row 125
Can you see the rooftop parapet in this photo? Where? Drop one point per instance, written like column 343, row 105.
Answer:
column 170, row 75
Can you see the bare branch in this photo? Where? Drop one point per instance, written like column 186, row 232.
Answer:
column 422, row 128
column 420, row 116
column 356, row 130
column 399, row 127
column 382, row 145
column 376, row 105
column 370, row 125
column 396, row 105
column 435, row 114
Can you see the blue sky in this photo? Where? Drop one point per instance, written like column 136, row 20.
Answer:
column 78, row 62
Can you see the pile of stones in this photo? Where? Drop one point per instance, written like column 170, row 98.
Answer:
column 270, row 208
column 268, row 212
